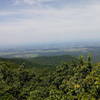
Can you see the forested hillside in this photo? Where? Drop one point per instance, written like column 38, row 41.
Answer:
column 42, row 61
column 79, row 80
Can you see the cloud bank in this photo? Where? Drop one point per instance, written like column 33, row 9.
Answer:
column 49, row 24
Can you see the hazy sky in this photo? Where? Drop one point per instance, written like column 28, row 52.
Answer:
column 39, row 21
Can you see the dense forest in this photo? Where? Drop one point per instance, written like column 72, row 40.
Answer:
column 77, row 80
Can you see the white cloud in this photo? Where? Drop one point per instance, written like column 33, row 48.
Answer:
column 31, row 2
column 26, row 1
column 51, row 24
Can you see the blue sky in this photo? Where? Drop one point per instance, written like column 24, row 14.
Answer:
column 44, row 21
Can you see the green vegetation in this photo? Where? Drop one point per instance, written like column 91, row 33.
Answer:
column 43, row 61
column 77, row 80
column 52, row 60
